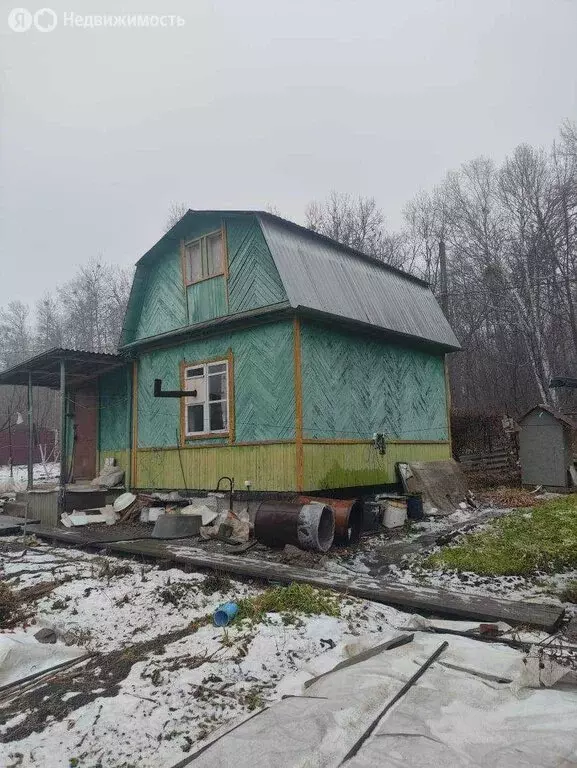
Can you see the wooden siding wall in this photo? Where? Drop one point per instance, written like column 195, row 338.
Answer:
column 113, row 421
column 161, row 302
column 268, row 467
column 354, row 387
column 263, row 385
column 253, row 277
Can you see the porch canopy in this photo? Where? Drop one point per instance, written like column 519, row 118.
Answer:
column 61, row 369
column 45, row 368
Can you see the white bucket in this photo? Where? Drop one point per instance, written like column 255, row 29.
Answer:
column 395, row 514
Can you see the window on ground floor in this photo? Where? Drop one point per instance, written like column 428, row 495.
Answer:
column 206, row 409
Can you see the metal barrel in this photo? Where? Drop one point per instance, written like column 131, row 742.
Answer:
column 308, row 526
column 348, row 517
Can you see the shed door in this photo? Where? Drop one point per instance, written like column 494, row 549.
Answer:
column 85, row 433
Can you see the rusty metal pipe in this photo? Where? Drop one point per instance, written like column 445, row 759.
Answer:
column 308, row 526
column 348, row 517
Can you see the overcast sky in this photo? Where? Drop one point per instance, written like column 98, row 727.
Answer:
column 253, row 103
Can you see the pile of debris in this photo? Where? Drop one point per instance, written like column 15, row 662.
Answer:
column 309, row 524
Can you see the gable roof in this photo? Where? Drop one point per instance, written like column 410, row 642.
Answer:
column 324, row 276
column 556, row 415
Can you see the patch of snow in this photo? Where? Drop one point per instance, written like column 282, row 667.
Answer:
column 48, row 473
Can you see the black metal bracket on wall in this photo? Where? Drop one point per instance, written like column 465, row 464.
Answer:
column 171, row 392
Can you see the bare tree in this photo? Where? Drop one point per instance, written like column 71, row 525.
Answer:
column 175, row 213
column 357, row 222
column 49, row 323
column 15, row 334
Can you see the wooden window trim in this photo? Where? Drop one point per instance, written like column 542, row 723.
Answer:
column 229, row 434
column 224, row 259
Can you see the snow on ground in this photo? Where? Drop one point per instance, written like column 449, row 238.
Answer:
column 42, row 473
column 161, row 685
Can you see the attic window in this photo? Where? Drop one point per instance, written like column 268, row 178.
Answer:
column 203, row 258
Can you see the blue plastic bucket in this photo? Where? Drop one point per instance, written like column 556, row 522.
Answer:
column 224, row 614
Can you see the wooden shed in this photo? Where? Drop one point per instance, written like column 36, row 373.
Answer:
column 546, row 448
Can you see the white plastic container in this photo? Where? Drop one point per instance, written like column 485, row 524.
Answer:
column 395, row 514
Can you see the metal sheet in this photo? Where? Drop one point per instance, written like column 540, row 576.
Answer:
column 321, row 275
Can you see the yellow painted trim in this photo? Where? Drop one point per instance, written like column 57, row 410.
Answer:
column 225, row 264
column 367, row 441
column 201, row 237
column 216, row 445
column 231, row 409
column 448, row 403
column 134, row 449
column 297, row 354
column 184, row 283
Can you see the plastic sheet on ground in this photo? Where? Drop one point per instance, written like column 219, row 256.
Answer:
column 22, row 655
column 468, row 709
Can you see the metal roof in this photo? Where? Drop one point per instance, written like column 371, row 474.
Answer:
column 81, row 366
column 322, row 275
column 562, row 417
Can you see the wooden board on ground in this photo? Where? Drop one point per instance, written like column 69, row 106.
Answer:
column 87, row 537
column 13, row 525
column 422, row 599
column 441, row 483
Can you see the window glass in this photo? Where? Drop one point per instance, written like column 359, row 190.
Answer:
column 214, row 254
column 193, row 257
column 195, row 418
column 218, row 417
column 217, row 387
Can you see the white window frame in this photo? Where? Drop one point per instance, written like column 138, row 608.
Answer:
column 202, row 242
column 203, row 397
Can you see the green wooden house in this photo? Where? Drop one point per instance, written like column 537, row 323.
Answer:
column 296, row 352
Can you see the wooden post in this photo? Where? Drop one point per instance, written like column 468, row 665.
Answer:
column 63, row 462
column 297, row 354
column 30, row 435
column 134, row 442
column 128, row 468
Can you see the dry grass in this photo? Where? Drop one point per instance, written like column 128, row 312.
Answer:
column 506, row 497
column 9, row 606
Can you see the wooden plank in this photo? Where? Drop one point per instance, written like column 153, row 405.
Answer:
column 10, row 525
column 422, row 599
column 87, row 537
